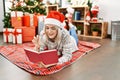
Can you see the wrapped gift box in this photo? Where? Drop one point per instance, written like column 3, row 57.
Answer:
column 7, row 35
column 26, row 20
column 30, row 20
column 16, row 14
column 16, row 21
column 17, row 36
column 16, row 18
column 28, row 33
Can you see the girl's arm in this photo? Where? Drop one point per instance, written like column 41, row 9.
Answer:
column 69, row 46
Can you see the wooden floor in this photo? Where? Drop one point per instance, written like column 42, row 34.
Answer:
column 100, row 64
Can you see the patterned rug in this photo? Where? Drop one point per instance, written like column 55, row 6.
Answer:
column 16, row 55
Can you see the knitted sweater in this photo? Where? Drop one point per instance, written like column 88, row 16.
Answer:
column 66, row 45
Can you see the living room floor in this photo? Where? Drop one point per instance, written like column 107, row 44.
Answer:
column 102, row 63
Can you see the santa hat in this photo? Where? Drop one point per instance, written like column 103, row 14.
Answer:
column 55, row 18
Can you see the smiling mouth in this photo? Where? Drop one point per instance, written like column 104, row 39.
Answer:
column 50, row 34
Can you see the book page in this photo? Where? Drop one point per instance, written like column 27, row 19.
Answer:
column 40, row 51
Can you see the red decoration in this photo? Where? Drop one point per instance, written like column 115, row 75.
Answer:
column 94, row 11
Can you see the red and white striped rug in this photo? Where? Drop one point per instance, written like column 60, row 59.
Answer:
column 16, row 55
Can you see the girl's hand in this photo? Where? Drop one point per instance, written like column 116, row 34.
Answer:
column 42, row 65
column 36, row 42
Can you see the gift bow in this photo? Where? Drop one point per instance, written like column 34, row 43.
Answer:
column 6, row 32
column 15, row 33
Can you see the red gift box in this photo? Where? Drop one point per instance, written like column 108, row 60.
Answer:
column 26, row 20
column 7, row 35
column 30, row 20
column 16, row 21
column 28, row 33
column 16, row 18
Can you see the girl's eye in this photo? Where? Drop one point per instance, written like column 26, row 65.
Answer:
column 47, row 28
column 52, row 28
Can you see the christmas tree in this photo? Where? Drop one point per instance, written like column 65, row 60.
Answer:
column 30, row 6
column 6, row 21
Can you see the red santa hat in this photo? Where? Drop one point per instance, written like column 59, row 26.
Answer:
column 55, row 18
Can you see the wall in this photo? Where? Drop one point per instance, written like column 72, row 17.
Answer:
column 109, row 11
column 1, row 15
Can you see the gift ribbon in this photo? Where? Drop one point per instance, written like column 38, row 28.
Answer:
column 15, row 33
column 31, row 19
column 18, row 17
column 16, row 13
column 6, row 32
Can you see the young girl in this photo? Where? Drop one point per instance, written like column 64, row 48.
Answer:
column 72, row 30
column 68, row 23
column 54, row 36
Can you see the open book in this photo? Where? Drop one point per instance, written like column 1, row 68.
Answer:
column 48, row 57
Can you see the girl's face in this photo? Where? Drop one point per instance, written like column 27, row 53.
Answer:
column 51, row 31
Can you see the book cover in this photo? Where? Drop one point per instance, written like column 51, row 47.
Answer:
column 77, row 15
column 48, row 57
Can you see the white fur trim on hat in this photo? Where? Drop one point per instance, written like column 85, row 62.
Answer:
column 53, row 21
